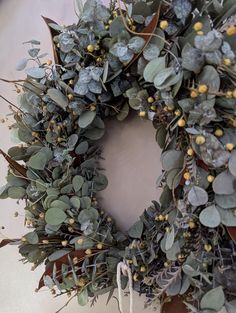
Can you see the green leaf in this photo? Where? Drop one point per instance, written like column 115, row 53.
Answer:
column 213, row 299
column 60, row 205
column 153, row 68
column 94, row 133
column 32, row 238
column 77, row 182
column 227, row 217
column 16, row 181
column 88, row 215
column 210, row 217
column 192, row 59
column 100, row 182
column 86, row 118
column 35, row 72
column 211, row 78
column 82, row 148
column 38, row 161
column 75, row 201
column 232, row 163
column 163, row 75
column 226, row 201
column 136, row 230
column 161, row 136
column 16, row 192
column 172, row 159
column 83, row 297
column 85, row 243
column 182, row 9
column 224, row 183
column 55, row 216
column 124, row 112
column 170, row 237
column 58, row 97
column 197, row 196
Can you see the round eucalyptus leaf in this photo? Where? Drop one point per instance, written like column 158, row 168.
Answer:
column 197, row 196
column 100, row 182
column 227, row 217
column 32, row 238
column 75, row 201
column 210, row 217
column 88, row 215
column 86, row 118
column 82, row 148
column 224, row 183
column 60, row 205
column 213, row 299
column 36, row 72
column 16, row 192
column 172, row 159
column 55, row 216
column 38, row 161
column 77, row 182
column 58, row 97
column 232, row 163
column 153, row 68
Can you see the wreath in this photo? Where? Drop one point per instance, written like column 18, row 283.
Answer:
column 175, row 64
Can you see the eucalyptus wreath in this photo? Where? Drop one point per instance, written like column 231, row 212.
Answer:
column 174, row 63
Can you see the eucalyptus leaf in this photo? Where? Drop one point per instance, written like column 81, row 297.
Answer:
column 36, row 72
column 55, row 216
column 136, row 230
column 58, row 97
column 86, row 118
column 223, row 184
column 197, row 196
column 77, row 182
column 210, row 217
column 83, row 297
column 213, row 299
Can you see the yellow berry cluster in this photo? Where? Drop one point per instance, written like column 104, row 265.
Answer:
column 198, row 28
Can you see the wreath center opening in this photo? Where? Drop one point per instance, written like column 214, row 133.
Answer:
column 132, row 165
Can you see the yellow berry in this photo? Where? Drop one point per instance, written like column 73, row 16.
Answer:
column 71, row 82
column 166, row 217
column 164, row 24
column 92, row 107
column 181, row 122
column 80, row 241
column 200, row 33
column 107, row 27
column 227, row 62
column 71, row 221
column 110, row 22
column 23, row 239
column 202, row 88
column 190, row 152
column 181, row 258
column 142, row 113
column 230, row 146
column 167, row 264
column 234, row 93
column 41, row 215
column 34, row 134
column 90, row 48
column 207, row 247
column 99, row 246
column 70, row 96
column 45, row 242
column 219, row 132
column 151, row 99
column 64, row 243
column 198, row 26
column 135, row 277
column 143, row 269
column 49, row 62
column 178, row 113
column 81, row 282
column 229, row 94
column 200, row 140
column 194, row 94
column 210, row 178
column 187, row 176
column 153, row 107
column 130, row 261
column 161, row 218
column 133, row 27
column 114, row 13
column 231, row 30
column 59, row 139
column 192, row 224
column 109, row 219
column 97, row 47
column 99, row 60
column 234, row 212
column 88, row 251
